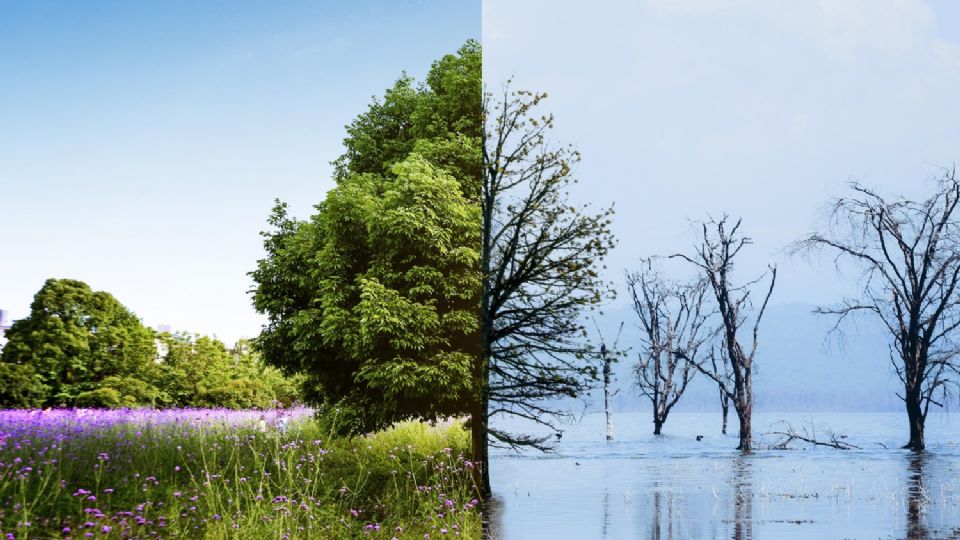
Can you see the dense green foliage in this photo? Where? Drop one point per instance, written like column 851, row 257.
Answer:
column 199, row 371
column 83, row 348
column 196, row 480
column 376, row 297
column 74, row 338
column 21, row 386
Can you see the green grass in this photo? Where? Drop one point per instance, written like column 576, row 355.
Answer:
column 218, row 481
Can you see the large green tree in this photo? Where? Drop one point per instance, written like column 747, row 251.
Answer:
column 376, row 297
column 74, row 338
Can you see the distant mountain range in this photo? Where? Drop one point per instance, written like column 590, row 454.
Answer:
column 800, row 365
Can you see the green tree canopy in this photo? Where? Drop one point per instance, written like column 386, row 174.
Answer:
column 73, row 338
column 441, row 120
column 190, row 366
column 376, row 297
column 200, row 371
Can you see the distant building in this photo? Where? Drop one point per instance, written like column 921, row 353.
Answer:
column 5, row 323
column 162, row 350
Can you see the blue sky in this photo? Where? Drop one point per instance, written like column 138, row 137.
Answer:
column 689, row 108
column 142, row 143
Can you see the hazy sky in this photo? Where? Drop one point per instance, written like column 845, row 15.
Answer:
column 142, row 143
column 758, row 109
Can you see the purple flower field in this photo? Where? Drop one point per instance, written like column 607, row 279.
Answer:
column 34, row 422
column 215, row 473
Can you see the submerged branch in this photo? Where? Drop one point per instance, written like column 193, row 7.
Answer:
column 810, row 437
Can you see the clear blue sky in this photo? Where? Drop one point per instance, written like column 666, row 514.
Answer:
column 684, row 108
column 142, row 143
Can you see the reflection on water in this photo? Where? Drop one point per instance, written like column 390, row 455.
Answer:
column 664, row 515
column 676, row 488
column 657, row 523
column 742, row 499
column 606, row 513
column 915, row 498
column 491, row 512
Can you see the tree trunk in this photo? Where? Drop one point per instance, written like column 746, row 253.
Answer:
column 481, row 459
column 912, row 400
column 607, row 396
column 657, row 425
column 479, row 445
column 481, row 372
column 743, row 403
column 725, row 406
column 744, row 413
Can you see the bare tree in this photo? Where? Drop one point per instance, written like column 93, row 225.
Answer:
column 715, row 256
column 674, row 324
column 608, row 356
column 909, row 253
column 540, row 256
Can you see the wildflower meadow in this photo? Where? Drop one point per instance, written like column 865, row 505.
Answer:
column 218, row 473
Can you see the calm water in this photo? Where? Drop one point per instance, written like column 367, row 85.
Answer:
column 675, row 487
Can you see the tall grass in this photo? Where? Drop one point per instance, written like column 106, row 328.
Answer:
column 230, row 478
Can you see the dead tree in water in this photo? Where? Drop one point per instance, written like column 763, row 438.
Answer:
column 607, row 396
column 715, row 257
column 909, row 253
column 608, row 357
column 673, row 321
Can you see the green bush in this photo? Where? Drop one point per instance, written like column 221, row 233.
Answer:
column 239, row 394
column 132, row 390
column 21, row 387
column 108, row 398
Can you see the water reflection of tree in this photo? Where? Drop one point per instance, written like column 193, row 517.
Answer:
column 662, row 516
column 655, row 525
column 491, row 517
column 661, row 524
column 606, row 512
column 742, row 499
column 916, row 497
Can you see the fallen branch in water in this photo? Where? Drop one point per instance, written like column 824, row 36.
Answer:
column 810, row 437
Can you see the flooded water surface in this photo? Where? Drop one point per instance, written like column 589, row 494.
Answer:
column 676, row 487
